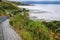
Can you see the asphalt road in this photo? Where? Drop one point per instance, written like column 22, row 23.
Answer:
column 6, row 32
column 1, row 33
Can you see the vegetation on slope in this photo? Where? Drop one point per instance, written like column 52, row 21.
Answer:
column 28, row 29
column 54, row 28
column 8, row 8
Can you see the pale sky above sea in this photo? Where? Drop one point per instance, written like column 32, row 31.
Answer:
column 34, row 0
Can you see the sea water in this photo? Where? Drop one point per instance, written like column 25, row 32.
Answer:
column 52, row 12
column 45, row 12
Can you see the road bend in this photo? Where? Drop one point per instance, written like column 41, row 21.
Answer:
column 7, row 33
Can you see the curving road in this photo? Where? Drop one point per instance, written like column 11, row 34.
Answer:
column 6, row 32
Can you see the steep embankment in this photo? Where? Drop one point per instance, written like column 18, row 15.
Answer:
column 7, row 8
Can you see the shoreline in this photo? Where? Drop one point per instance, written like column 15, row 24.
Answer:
column 50, row 15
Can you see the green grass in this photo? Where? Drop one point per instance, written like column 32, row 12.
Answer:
column 7, row 7
column 54, row 27
column 28, row 29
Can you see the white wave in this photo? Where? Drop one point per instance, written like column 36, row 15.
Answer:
column 53, row 11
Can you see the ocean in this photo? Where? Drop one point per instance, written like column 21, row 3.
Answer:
column 47, row 12
column 41, row 2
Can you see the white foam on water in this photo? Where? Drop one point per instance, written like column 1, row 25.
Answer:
column 53, row 11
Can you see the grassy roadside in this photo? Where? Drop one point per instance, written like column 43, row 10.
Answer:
column 28, row 29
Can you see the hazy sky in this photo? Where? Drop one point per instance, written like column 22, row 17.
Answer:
column 34, row 0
